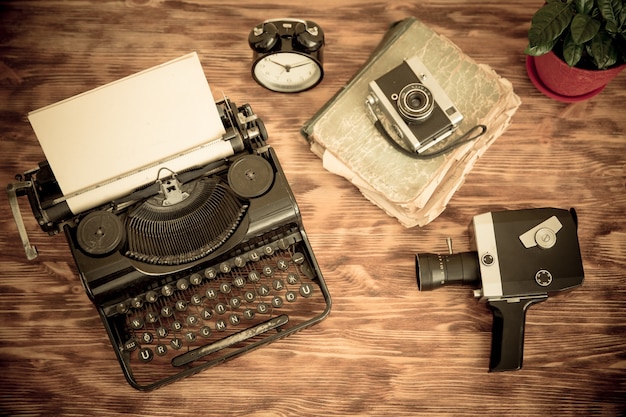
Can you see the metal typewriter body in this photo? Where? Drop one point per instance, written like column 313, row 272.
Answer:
column 197, row 268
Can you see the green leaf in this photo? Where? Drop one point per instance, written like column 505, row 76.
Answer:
column 611, row 28
column 610, row 10
column 583, row 6
column 537, row 50
column 572, row 51
column 549, row 22
column 602, row 50
column 584, row 28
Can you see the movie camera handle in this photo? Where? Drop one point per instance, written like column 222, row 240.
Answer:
column 507, row 336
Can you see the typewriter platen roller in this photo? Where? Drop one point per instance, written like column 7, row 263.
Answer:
column 200, row 266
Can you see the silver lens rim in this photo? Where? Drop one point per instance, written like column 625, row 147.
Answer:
column 405, row 102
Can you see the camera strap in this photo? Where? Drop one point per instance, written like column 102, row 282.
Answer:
column 465, row 138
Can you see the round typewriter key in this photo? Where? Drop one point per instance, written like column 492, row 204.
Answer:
column 234, row 319
column 161, row 350
column 262, row 308
column 282, row 264
column 162, row 332
column 122, row 308
column 100, row 233
column 152, row 317
column 205, row 331
column 250, row 176
column 220, row 308
column 145, row 354
column 240, row 262
column 254, row 276
column 277, row 302
column 306, row 290
column 130, row 345
column 264, row 290
column 196, row 299
column 290, row 296
column 167, row 290
column 167, row 311
column 192, row 321
column 298, row 258
column 292, row 278
column 210, row 273
column 239, row 282
column 235, row 302
column 182, row 284
column 136, row 323
column 136, row 302
column 254, row 256
column 176, row 343
column 195, row 279
column 220, row 325
column 225, row 288
column 147, row 337
column 151, row 296
column 225, row 267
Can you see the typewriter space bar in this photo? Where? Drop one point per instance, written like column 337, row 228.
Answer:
column 235, row 338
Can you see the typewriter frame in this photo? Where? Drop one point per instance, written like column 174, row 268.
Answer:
column 109, row 279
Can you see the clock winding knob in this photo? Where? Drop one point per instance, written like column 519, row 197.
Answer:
column 308, row 38
column 263, row 37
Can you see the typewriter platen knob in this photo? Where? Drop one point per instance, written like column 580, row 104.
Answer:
column 100, row 233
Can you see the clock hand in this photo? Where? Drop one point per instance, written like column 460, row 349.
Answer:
column 279, row 64
column 301, row 64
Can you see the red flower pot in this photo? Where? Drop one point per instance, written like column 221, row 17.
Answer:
column 553, row 77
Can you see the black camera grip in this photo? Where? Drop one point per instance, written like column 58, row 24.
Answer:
column 507, row 338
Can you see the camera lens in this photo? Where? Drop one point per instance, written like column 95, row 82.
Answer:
column 415, row 102
column 434, row 271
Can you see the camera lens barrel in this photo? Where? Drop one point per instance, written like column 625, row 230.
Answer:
column 415, row 102
column 434, row 271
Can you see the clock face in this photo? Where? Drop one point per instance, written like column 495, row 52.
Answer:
column 287, row 72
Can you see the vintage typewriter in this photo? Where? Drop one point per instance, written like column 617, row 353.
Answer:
column 197, row 266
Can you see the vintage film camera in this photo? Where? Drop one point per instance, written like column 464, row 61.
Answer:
column 412, row 107
column 520, row 257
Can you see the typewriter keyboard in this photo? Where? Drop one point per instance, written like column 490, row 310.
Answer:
column 219, row 311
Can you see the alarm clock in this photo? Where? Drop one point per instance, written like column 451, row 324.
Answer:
column 287, row 54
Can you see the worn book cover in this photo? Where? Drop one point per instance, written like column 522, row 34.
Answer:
column 414, row 191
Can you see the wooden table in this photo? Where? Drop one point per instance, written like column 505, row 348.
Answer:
column 386, row 348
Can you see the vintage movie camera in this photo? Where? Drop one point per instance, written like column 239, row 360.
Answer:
column 411, row 107
column 520, row 258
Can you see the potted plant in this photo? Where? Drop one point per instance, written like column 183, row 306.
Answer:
column 575, row 47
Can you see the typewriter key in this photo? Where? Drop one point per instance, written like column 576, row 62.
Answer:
column 100, row 233
column 250, row 176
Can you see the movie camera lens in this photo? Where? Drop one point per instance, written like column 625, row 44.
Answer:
column 415, row 102
column 434, row 271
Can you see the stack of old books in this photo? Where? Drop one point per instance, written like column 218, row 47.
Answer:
column 415, row 191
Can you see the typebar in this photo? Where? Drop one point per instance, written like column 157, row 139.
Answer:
column 202, row 351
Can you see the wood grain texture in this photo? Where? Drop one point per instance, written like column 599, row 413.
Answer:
column 385, row 349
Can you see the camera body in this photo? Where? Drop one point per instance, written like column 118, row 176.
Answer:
column 519, row 258
column 412, row 107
